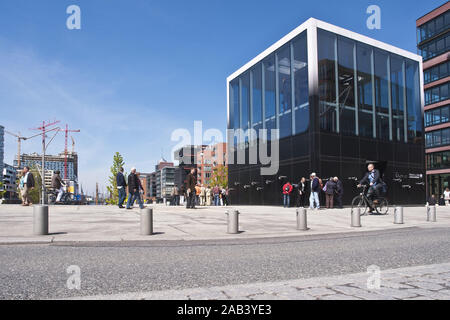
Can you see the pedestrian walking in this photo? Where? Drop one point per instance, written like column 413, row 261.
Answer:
column 301, row 194
column 447, row 196
column 182, row 194
column 216, row 193
column 202, row 195
column 315, row 189
column 208, row 195
column 224, row 194
column 198, row 190
column 57, row 184
column 121, row 187
column 134, row 187
column 287, row 190
column 176, row 192
column 339, row 194
column 330, row 190
column 28, row 184
column 191, row 182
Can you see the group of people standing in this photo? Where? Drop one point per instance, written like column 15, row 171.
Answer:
column 199, row 194
column 333, row 189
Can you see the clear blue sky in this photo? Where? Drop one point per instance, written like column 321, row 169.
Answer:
column 139, row 69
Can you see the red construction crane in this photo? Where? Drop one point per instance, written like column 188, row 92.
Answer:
column 65, row 148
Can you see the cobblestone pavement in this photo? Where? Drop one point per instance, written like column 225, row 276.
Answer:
column 431, row 282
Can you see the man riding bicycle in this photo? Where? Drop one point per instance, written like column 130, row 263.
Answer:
column 373, row 179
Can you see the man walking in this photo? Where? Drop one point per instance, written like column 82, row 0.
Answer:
column 57, row 184
column 28, row 185
column 216, row 193
column 315, row 189
column 339, row 192
column 287, row 189
column 134, row 186
column 191, row 182
column 121, row 187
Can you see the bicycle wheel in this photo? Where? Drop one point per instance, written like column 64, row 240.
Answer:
column 383, row 207
column 358, row 202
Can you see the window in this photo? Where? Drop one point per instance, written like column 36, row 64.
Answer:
column 346, row 85
column 257, row 98
column 382, row 94
column 365, row 102
column 436, row 94
column 397, row 92
column 433, row 27
column 436, row 73
column 437, row 138
column 435, row 47
column 413, row 104
column 245, row 101
column 439, row 160
column 327, row 80
column 301, row 103
column 269, row 93
column 285, row 89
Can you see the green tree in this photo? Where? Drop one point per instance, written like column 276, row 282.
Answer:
column 220, row 176
column 112, row 187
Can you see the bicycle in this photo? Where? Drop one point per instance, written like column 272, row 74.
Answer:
column 361, row 201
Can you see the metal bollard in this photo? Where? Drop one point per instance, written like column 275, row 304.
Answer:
column 147, row 221
column 431, row 214
column 233, row 221
column 398, row 215
column 302, row 223
column 40, row 220
column 356, row 217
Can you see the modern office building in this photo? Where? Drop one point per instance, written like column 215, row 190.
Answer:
column 433, row 43
column 339, row 100
column 52, row 163
column 2, row 151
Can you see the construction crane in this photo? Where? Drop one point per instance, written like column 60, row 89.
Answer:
column 66, row 131
column 19, row 142
column 73, row 145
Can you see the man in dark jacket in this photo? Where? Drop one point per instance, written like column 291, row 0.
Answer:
column 301, row 196
column 133, row 190
column 28, row 185
column 121, row 187
column 339, row 192
column 373, row 179
column 315, row 189
column 57, row 184
column 191, row 182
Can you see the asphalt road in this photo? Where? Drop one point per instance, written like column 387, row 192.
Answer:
column 39, row 271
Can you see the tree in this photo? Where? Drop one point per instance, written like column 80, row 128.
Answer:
column 112, row 187
column 2, row 192
column 220, row 176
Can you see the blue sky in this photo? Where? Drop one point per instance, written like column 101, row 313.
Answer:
column 137, row 70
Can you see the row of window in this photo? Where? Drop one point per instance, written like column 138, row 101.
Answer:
column 437, row 94
column 438, row 160
column 435, row 47
column 437, row 138
column 437, row 72
column 382, row 86
column 433, row 27
column 437, row 116
column 274, row 93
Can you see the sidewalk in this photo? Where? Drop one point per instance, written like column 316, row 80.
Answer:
column 413, row 283
column 108, row 223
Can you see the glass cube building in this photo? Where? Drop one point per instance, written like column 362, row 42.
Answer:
column 340, row 100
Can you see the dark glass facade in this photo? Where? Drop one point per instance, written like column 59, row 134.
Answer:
column 364, row 105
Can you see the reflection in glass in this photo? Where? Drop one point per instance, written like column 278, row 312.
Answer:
column 269, row 93
column 285, row 97
column 301, row 103
column 257, row 98
column 382, row 94
column 397, row 87
column 365, row 102
column 326, row 45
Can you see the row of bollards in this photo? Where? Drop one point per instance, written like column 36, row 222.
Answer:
column 41, row 225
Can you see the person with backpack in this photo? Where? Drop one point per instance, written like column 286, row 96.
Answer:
column 287, row 190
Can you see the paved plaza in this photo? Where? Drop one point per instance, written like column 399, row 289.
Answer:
column 109, row 223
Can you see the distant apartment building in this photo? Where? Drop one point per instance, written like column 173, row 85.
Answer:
column 9, row 182
column 209, row 158
column 433, row 43
column 52, row 163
